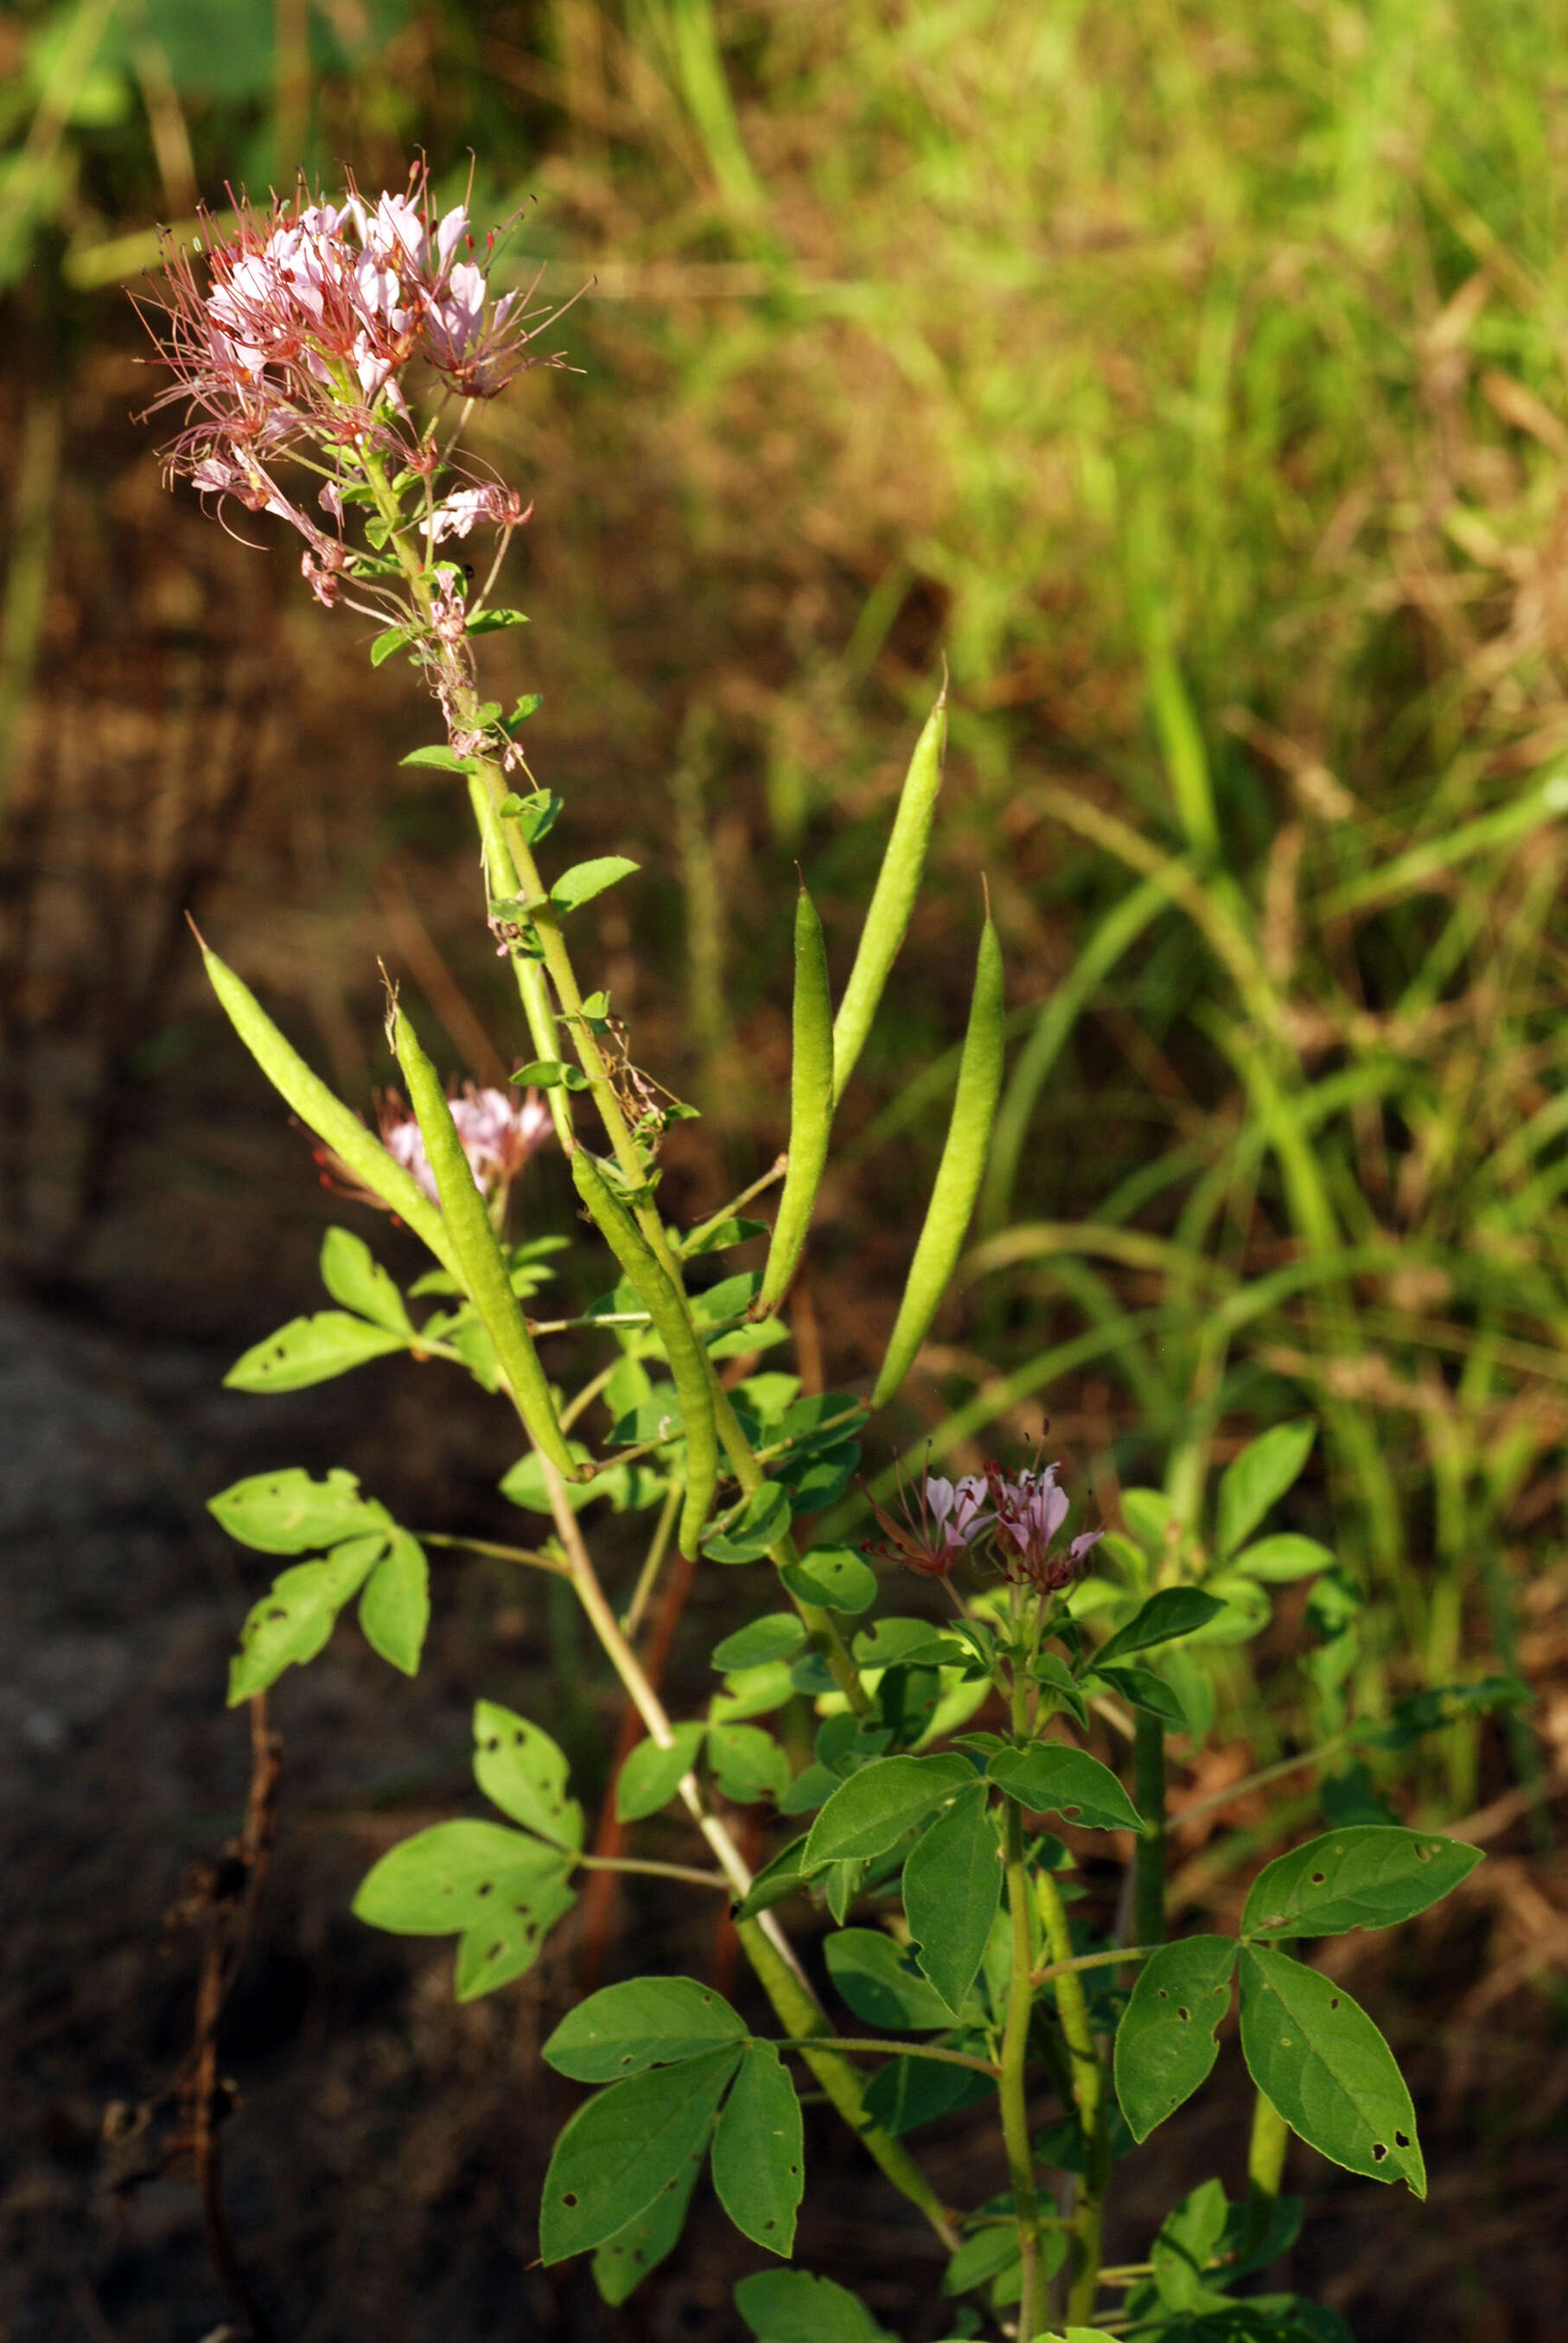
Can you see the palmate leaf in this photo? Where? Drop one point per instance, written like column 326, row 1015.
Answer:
column 621, row 2151
column 498, row 1889
column 759, row 2151
column 288, row 1512
column 1167, row 2042
column 1316, row 2055
column 1367, row 1876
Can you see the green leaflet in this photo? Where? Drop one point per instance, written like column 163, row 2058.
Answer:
column 833, row 1577
column 777, row 1635
column 748, row 1764
column 622, row 2150
column 880, row 1983
column 519, row 1769
column 288, row 1512
column 959, row 1173
column 952, row 1888
column 1051, row 1777
column 1316, row 2055
column 646, row 2022
column 892, row 898
column 872, row 1810
column 395, row 1608
column 761, row 1522
column 907, row 2092
column 1167, row 2042
column 651, row 1775
column 811, row 1106
column 758, row 2150
column 1279, row 1559
column 794, row 2307
column 1370, row 1875
column 1257, row 1478
column 353, row 1276
column 311, row 1350
column 623, row 2261
column 294, row 1620
column 584, row 881
column 1174, row 1610
column 497, row 1890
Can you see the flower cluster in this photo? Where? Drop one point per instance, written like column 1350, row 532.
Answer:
column 312, row 318
column 500, row 1136
column 1017, row 1518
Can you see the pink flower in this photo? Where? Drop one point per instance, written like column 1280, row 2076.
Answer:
column 1029, row 1511
column 939, row 1522
column 498, row 1134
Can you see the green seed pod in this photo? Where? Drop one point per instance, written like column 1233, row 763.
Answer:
column 959, row 1173
column 811, row 1106
column 334, row 1123
column 687, row 1363
column 481, row 1268
column 893, row 897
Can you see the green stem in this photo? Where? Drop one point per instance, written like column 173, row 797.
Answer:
column 1265, row 2170
column 1014, row 2076
column 867, row 2044
column 1087, row 2091
column 687, row 1871
column 1148, row 1861
column 1118, row 1955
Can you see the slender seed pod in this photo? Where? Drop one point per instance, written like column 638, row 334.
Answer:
column 893, row 897
column 811, row 1106
column 687, row 1363
column 334, row 1123
column 959, row 1173
column 481, row 1267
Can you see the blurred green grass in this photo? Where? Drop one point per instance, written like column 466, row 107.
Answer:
column 1189, row 379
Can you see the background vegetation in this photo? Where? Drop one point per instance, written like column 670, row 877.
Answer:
column 1189, row 377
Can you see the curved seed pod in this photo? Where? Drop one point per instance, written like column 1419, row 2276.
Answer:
column 811, row 1106
column 334, row 1123
column 893, row 897
column 687, row 1363
column 960, row 1172
column 482, row 1269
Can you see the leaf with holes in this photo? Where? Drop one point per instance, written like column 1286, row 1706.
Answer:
column 519, row 1769
column 1052, row 1778
column 292, row 1622
column 952, row 1886
column 651, row 1775
column 1369, row 1876
column 880, row 1983
column 759, row 2151
column 1257, row 1478
column 508, row 1941
column 1174, row 1610
column 395, row 1608
column 288, row 1512
column 835, row 1577
column 620, row 2152
column 871, row 1811
column 352, row 1275
column 646, row 2022
column 795, row 2306
column 1167, row 2042
column 497, row 1890
column 311, row 1350
column 623, row 2261
column 1316, row 2055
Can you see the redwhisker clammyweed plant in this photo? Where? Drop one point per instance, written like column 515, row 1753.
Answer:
column 345, row 342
